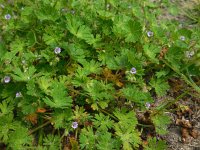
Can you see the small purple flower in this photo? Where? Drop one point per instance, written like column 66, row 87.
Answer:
column 57, row 50
column 182, row 38
column 148, row 105
column 149, row 33
column 7, row 16
column 133, row 70
column 18, row 94
column 75, row 125
column 7, row 79
column 189, row 54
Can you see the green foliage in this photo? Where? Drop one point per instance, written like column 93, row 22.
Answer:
column 80, row 114
column 126, row 28
column 134, row 94
column 87, row 138
column 59, row 96
column 161, row 120
column 151, row 51
column 52, row 142
column 160, row 86
column 64, row 62
column 102, row 122
column 153, row 144
column 81, row 31
column 100, row 140
column 100, row 93
column 13, row 133
column 20, row 138
column 126, row 130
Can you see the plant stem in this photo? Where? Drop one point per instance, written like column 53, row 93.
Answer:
column 106, row 2
column 166, row 105
column 112, row 116
column 192, row 84
column 40, row 132
column 41, row 126
column 76, row 133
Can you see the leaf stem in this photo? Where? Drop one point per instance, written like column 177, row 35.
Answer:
column 106, row 2
column 112, row 116
column 164, row 106
column 39, row 127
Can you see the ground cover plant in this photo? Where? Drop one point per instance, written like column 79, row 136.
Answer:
column 89, row 74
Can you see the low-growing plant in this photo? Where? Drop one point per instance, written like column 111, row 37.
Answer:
column 84, row 74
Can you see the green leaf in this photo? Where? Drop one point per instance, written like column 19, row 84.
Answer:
column 160, row 86
column 160, row 122
column 44, row 84
column 76, row 53
column 151, row 51
column 154, row 144
column 6, row 126
column 119, row 25
column 18, row 45
column 134, row 31
column 60, row 117
column 81, row 31
column 134, row 94
column 105, row 141
column 162, row 73
column 52, row 142
column 102, row 122
column 87, row 139
column 80, row 114
column 24, row 76
column 92, row 67
column 2, row 50
column 5, row 108
column 125, row 118
column 49, row 39
column 125, row 129
column 126, row 28
column 99, row 92
column 174, row 57
column 59, row 96
column 19, row 138
column 47, row 12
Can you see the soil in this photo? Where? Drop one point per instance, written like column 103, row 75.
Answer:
column 175, row 136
